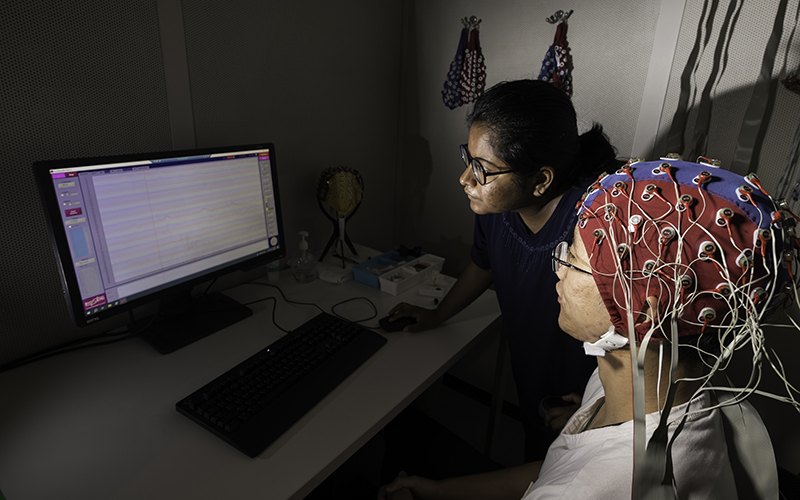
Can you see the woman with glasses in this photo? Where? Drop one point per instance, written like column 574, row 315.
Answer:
column 525, row 169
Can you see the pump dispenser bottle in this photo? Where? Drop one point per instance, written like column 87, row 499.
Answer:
column 304, row 267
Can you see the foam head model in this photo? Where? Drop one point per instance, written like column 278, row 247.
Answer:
column 710, row 246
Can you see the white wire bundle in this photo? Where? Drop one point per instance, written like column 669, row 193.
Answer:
column 740, row 328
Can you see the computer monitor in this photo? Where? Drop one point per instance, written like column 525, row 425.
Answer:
column 128, row 230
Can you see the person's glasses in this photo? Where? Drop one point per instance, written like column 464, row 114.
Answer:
column 560, row 258
column 478, row 171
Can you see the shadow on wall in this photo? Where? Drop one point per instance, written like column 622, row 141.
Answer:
column 415, row 196
column 710, row 126
column 416, row 173
column 414, row 188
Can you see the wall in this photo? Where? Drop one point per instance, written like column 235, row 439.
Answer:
column 89, row 78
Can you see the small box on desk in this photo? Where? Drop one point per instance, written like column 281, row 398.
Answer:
column 368, row 271
column 413, row 273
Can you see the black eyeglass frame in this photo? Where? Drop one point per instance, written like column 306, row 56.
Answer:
column 556, row 261
column 478, row 171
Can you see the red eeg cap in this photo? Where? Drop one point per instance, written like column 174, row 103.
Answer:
column 650, row 229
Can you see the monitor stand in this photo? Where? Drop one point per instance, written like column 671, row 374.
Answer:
column 183, row 320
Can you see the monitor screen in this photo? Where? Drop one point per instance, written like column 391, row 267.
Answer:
column 130, row 229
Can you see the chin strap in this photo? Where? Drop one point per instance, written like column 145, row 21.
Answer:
column 609, row 341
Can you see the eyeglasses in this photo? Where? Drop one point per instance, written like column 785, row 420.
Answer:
column 559, row 258
column 478, row 171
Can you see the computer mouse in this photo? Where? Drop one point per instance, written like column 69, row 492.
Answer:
column 396, row 326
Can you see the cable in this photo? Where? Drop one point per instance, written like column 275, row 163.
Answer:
column 74, row 345
column 333, row 307
column 374, row 308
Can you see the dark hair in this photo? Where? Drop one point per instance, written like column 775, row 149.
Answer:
column 533, row 124
column 699, row 350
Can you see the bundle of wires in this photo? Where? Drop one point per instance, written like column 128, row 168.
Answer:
column 683, row 251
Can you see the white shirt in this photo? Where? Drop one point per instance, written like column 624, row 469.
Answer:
column 598, row 463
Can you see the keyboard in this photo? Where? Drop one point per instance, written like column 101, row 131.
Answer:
column 252, row 404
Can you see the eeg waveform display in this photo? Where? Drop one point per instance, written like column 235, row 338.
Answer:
column 159, row 219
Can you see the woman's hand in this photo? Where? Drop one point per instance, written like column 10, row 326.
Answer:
column 406, row 487
column 556, row 418
column 426, row 318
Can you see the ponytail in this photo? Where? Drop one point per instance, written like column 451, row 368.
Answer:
column 595, row 156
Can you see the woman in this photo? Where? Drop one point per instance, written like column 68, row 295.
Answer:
column 671, row 265
column 525, row 168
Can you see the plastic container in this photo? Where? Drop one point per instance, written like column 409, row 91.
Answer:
column 411, row 274
column 370, row 270
column 274, row 270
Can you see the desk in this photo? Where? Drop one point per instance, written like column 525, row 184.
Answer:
column 101, row 423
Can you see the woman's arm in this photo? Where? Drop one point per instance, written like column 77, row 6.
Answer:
column 505, row 484
column 470, row 285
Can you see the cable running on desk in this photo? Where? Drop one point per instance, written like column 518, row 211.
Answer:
column 333, row 307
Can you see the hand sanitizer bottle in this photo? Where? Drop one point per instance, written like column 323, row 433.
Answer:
column 304, row 267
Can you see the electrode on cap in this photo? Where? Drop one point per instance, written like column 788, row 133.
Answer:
column 634, row 222
column 706, row 250
column 702, row 178
column 761, row 237
column 745, row 259
column 685, row 202
column 649, row 191
column 758, row 295
column 723, row 290
column 667, row 234
column 743, row 192
column 707, row 314
column 709, row 162
column 662, row 169
column 753, row 180
column 598, row 234
column 724, row 215
column 610, row 211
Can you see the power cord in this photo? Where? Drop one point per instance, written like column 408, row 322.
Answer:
column 333, row 307
column 83, row 343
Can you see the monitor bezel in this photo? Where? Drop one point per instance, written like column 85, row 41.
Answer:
column 59, row 240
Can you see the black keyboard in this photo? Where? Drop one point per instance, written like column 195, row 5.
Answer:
column 252, row 404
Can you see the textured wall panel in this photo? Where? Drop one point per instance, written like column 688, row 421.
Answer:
column 321, row 81
column 76, row 79
column 732, row 86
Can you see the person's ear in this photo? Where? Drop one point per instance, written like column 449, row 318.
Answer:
column 543, row 180
column 650, row 312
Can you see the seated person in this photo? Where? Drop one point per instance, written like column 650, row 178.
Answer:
column 670, row 266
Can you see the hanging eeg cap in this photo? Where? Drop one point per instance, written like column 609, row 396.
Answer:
column 707, row 243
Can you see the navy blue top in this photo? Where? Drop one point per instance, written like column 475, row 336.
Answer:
column 545, row 360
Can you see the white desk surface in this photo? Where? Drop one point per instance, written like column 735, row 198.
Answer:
column 101, row 423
